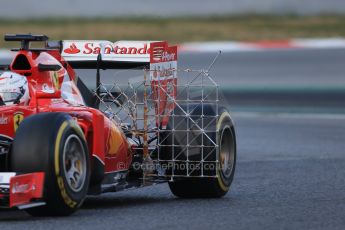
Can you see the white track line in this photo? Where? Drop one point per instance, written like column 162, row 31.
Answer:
column 232, row 46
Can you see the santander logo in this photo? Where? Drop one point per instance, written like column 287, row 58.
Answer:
column 72, row 49
column 94, row 49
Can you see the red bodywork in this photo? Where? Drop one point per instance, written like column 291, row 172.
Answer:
column 106, row 141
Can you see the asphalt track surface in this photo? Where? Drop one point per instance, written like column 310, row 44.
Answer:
column 290, row 170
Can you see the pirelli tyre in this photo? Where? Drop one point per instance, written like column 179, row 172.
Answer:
column 53, row 143
column 210, row 172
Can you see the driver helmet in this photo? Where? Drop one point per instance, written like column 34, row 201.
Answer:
column 13, row 89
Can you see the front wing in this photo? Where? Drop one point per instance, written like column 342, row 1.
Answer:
column 21, row 191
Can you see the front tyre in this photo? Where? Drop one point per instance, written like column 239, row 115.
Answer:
column 53, row 143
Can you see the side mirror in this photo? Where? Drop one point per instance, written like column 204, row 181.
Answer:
column 48, row 67
column 54, row 45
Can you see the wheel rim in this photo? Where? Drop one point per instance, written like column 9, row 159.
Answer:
column 74, row 163
column 227, row 152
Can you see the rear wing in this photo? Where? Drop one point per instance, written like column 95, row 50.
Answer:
column 83, row 54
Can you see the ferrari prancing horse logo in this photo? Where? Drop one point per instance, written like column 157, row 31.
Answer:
column 17, row 119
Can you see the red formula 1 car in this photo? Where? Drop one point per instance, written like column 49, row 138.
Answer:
column 60, row 141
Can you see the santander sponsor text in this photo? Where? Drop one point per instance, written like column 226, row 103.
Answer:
column 91, row 48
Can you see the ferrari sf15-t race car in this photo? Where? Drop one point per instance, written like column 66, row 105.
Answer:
column 61, row 141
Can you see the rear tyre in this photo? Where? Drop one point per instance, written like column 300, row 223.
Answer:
column 53, row 143
column 198, row 187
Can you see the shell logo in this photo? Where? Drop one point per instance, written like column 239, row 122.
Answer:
column 115, row 140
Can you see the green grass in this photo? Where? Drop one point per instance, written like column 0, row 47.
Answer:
column 177, row 30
